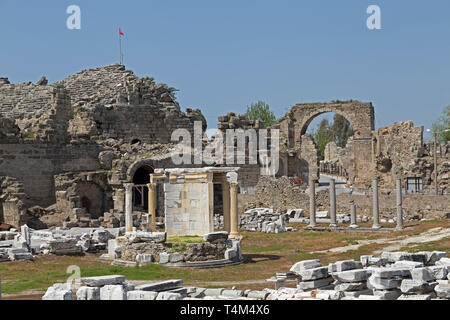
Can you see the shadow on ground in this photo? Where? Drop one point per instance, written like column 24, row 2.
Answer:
column 255, row 258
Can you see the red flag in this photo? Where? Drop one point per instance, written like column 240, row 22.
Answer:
column 120, row 32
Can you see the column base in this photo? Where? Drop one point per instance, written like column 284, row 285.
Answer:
column 376, row 227
column 400, row 228
column 312, row 225
column 235, row 235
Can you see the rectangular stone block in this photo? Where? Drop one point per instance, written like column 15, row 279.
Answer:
column 103, row 280
column 375, row 282
column 358, row 275
column 314, row 274
column 410, row 286
column 161, row 286
column 141, row 295
column 88, row 293
column 387, row 294
column 314, row 284
column 305, row 265
column 422, row 275
column 344, row 266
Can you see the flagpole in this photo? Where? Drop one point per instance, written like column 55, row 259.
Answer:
column 120, row 46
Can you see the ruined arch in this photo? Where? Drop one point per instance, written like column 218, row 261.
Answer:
column 360, row 115
column 140, row 178
column 148, row 164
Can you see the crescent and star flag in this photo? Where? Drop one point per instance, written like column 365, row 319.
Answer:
column 121, row 33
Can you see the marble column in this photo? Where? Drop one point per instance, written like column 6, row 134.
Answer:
column 376, row 208
column 353, row 223
column 226, row 206
column 399, row 205
column 233, row 210
column 152, row 204
column 333, row 203
column 128, row 207
column 312, row 203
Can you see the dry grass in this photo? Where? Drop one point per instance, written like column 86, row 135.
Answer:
column 265, row 254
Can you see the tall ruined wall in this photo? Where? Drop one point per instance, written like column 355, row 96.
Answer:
column 35, row 164
column 310, row 153
column 397, row 151
column 248, row 174
column 70, row 126
column 146, row 123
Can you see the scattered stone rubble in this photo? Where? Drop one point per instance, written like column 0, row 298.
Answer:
column 393, row 276
column 264, row 220
column 60, row 241
column 143, row 248
column 123, row 249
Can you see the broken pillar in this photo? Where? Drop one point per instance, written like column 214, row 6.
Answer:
column 312, row 203
column 333, row 223
column 353, row 223
column 399, row 205
column 128, row 207
column 233, row 210
column 376, row 208
column 226, row 206
column 152, row 204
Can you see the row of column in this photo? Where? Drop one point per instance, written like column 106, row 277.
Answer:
column 353, row 221
column 230, row 207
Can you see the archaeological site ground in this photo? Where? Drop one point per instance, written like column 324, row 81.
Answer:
column 113, row 189
column 90, row 188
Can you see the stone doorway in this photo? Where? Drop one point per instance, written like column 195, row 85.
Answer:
column 140, row 190
column 92, row 198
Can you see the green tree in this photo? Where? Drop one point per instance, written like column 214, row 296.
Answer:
column 442, row 125
column 342, row 130
column 261, row 111
column 323, row 135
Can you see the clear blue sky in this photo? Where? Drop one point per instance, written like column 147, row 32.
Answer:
column 223, row 55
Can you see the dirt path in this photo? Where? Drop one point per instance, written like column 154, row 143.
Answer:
column 394, row 244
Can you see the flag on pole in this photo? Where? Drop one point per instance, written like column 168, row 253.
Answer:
column 120, row 45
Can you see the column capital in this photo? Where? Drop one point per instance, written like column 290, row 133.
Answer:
column 128, row 186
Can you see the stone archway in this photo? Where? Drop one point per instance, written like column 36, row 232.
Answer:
column 361, row 116
column 141, row 178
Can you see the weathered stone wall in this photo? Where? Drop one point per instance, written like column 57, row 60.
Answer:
column 283, row 194
column 35, row 165
column 397, row 147
column 187, row 205
column 248, row 173
column 99, row 119
column 310, row 153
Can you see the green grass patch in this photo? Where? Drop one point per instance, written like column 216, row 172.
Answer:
column 185, row 239
column 440, row 245
column 267, row 248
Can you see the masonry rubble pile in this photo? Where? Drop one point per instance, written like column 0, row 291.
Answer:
column 393, row 276
column 264, row 220
column 23, row 245
column 143, row 248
